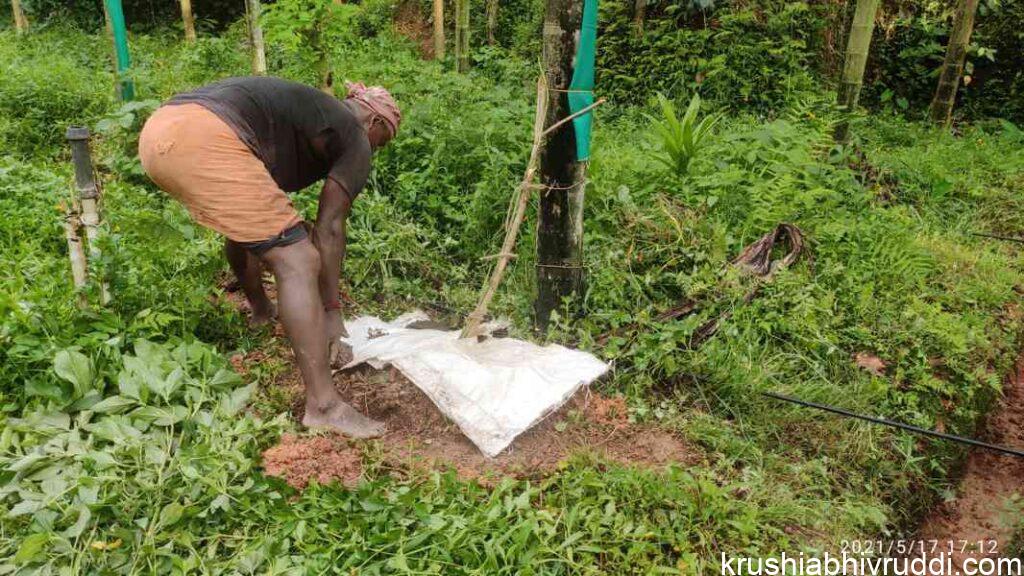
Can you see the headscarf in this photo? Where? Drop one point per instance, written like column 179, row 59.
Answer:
column 379, row 101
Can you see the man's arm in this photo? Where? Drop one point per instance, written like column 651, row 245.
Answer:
column 330, row 239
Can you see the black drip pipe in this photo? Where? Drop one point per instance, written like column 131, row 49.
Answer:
column 900, row 425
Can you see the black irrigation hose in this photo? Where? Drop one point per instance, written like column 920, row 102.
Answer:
column 907, row 427
column 998, row 237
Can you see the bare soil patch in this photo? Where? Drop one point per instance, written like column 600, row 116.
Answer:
column 982, row 509
column 322, row 458
column 420, row 438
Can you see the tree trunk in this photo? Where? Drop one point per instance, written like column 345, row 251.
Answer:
column 562, row 177
column 259, row 55
column 439, row 29
column 492, row 21
column 462, row 35
column 323, row 59
column 639, row 15
column 941, row 109
column 189, row 20
column 857, row 47
column 20, row 21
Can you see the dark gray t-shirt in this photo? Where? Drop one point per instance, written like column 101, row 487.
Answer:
column 301, row 134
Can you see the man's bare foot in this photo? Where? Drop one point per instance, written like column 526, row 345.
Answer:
column 340, row 416
column 263, row 314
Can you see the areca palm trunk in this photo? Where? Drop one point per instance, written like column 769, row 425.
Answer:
column 20, row 21
column 562, row 176
column 941, row 109
column 858, row 45
column 492, row 21
column 439, row 29
column 639, row 15
column 259, row 55
column 462, row 35
column 189, row 20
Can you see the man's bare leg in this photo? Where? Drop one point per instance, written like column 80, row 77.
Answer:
column 297, row 268
column 249, row 271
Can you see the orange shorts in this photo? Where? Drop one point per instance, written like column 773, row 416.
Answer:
column 198, row 159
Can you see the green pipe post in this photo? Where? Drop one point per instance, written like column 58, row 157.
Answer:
column 124, row 61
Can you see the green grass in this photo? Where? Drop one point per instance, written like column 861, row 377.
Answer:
column 892, row 271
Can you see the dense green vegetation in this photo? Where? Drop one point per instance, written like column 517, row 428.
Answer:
column 125, row 446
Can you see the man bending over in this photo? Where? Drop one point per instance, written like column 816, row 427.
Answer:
column 229, row 152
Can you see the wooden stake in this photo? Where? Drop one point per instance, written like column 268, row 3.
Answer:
column 79, row 273
column 517, row 213
column 259, row 56
column 20, row 21
column 941, row 108
column 88, row 196
column 189, row 20
column 514, row 220
column 439, row 29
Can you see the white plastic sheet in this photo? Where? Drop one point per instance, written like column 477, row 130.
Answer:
column 493, row 390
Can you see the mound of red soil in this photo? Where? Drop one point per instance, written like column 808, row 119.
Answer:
column 420, row 437
column 322, row 458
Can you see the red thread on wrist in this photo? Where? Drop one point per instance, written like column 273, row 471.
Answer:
column 331, row 306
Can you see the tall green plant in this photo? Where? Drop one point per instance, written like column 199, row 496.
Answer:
column 681, row 138
column 309, row 29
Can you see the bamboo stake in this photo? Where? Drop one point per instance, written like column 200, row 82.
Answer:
column 88, row 196
column 259, row 55
column 189, row 20
column 20, row 21
column 516, row 216
column 439, row 29
column 79, row 273
column 514, row 220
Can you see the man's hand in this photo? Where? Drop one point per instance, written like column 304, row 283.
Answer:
column 339, row 352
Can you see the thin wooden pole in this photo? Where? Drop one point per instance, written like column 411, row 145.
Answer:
column 857, row 47
column 941, row 108
column 515, row 218
column 188, row 20
column 439, row 29
column 76, row 253
column 20, row 21
column 639, row 15
column 259, row 55
column 88, row 196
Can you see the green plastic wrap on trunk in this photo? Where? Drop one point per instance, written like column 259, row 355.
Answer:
column 581, row 88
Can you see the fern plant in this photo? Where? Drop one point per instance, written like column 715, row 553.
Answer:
column 681, row 138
